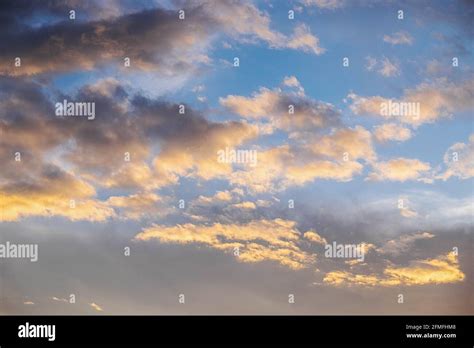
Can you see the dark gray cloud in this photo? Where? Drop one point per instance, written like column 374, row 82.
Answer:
column 153, row 39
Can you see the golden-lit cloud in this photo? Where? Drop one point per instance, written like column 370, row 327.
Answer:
column 52, row 192
column 137, row 175
column 259, row 240
column 197, row 155
column 339, row 171
column 15, row 207
column 315, row 238
column 223, row 196
column 96, row 307
column 346, row 144
column 245, row 205
column 443, row 269
column 399, row 169
column 440, row 270
column 285, row 107
column 332, row 156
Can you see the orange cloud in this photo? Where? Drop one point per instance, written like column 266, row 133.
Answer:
column 315, row 238
column 443, row 269
column 52, row 193
column 17, row 206
column 96, row 307
column 261, row 240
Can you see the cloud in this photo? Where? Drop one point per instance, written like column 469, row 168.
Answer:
column 315, row 238
column 289, row 110
column 399, row 38
column 96, row 307
column 246, row 23
column 325, row 4
column 230, row 214
column 292, row 81
column 440, row 270
column 403, row 243
column 408, row 213
column 280, row 168
column 139, row 205
column 443, row 269
column 459, row 160
column 54, row 298
column 22, row 206
column 149, row 146
column 384, row 67
column 245, row 205
column 223, row 196
column 433, row 208
column 179, row 46
column 437, row 99
column 356, row 142
column 17, row 14
column 302, row 39
column 391, row 131
column 48, row 192
column 371, row 63
column 399, row 169
column 389, row 68
column 136, row 175
column 333, row 156
column 262, row 240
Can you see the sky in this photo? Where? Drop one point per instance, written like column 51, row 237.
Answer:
column 134, row 210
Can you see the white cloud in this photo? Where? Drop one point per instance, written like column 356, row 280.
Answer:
column 436, row 99
column 459, row 159
column 389, row 68
column 384, row 67
column 399, row 38
column 325, row 4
